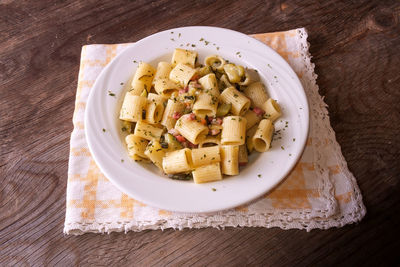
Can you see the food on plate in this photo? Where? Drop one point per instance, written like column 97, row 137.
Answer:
column 197, row 121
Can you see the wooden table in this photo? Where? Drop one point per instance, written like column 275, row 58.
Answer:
column 356, row 49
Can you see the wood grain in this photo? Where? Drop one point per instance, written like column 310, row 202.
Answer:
column 356, row 47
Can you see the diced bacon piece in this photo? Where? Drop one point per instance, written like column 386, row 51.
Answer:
column 258, row 111
column 217, row 121
column 214, row 131
column 176, row 115
column 192, row 116
column 180, row 138
column 242, row 163
column 203, row 121
column 173, row 131
column 197, row 85
column 195, row 77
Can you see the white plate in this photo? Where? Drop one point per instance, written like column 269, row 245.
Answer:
column 143, row 181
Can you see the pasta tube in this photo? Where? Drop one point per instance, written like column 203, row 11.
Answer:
column 165, row 87
column 147, row 131
column 155, row 108
column 210, row 141
column 136, row 146
column 182, row 74
column 205, row 105
column 133, row 107
column 192, row 130
column 243, row 157
column 144, row 73
column 163, row 71
column 233, row 130
column 209, row 84
column 224, row 82
column 205, row 156
column 250, row 76
column 249, row 138
column 137, row 87
column 263, row 136
column 203, row 71
column 215, row 62
column 177, row 161
column 272, row 109
column 182, row 56
column 155, row 153
column 234, row 72
column 172, row 111
column 252, row 119
column 207, row 173
column 230, row 160
column 256, row 93
column 240, row 103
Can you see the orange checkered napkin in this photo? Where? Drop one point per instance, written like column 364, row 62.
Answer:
column 320, row 192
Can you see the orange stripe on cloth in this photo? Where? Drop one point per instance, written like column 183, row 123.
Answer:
column 292, row 193
column 277, row 41
column 344, row 198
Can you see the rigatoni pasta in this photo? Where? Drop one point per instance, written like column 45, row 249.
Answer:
column 256, row 93
column 252, row 119
column 144, row 73
column 182, row 74
column 163, row 71
column 191, row 129
column 240, row 103
column 133, row 107
column 272, row 109
column 205, row 156
column 183, row 56
column 197, row 122
column 263, row 135
column 178, row 161
column 136, row 146
column 230, row 160
column 155, row 108
column 155, row 152
column 210, row 141
column 233, row 130
column 147, row 131
column 172, row 112
column 207, row 173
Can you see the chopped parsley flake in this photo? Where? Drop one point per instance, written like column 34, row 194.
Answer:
column 104, row 130
column 111, row 93
column 294, row 139
column 213, row 189
column 282, row 148
column 259, row 175
column 122, row 160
